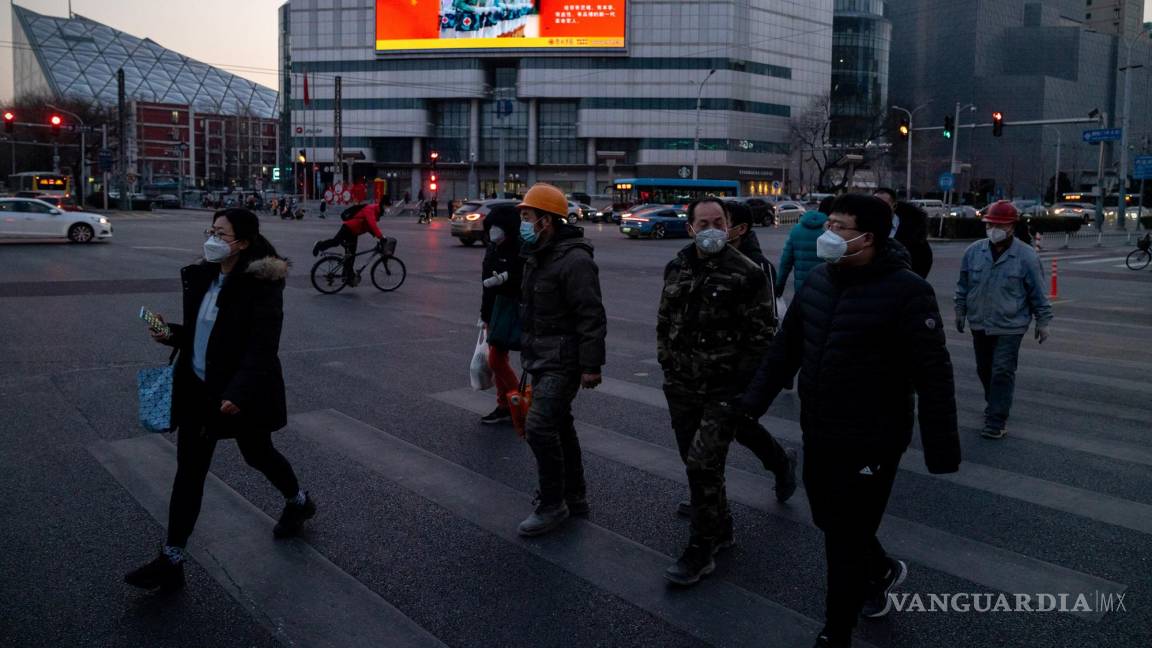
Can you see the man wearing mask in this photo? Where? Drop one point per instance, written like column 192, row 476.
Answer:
column 715, row 322
column 1000, row 291
column 562, row 349
column 866, row 336
column 910, row 228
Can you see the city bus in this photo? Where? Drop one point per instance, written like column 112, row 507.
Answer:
column 627, row 192
column 41, row 182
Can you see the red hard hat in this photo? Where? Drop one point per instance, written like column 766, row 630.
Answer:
column 1001, row 212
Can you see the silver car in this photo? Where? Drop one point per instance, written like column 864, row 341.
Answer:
column 468, row 221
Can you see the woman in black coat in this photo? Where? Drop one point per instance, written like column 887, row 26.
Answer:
column 502, row 272
column 227, row 381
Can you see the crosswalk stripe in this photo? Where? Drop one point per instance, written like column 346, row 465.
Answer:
column 1109, row 260
column 233, row 542
column 716, row 611
column 1135, row 516
column 971, row 560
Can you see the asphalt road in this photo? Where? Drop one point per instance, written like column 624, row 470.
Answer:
column 414, row 543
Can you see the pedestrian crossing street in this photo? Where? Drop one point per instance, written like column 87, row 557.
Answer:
column 231, row 541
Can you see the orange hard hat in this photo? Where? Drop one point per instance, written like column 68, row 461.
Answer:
column 1001, row 212
column 546, row 198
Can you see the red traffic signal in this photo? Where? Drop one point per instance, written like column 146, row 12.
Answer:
column 9, row 120
column 433, row 178
column 997, row 124
column 432, row 186
column 56, row 121
column 434, row 155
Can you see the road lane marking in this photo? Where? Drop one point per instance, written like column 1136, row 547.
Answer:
column 716, row 611
column 1109, row 509
column 1108, row 260
column 968, row 559
column 295, row 592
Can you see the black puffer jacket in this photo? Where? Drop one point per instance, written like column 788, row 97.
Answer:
column 243, row 363
column 913, row 235
column 866, row 342
column 561, row 310
column 504, row 257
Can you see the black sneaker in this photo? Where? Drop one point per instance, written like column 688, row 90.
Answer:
column 993, row 433
column 786, row 483
column 695, row 563
column 545, row 518
column 824, row 641
column 878, row 602
column 684, row 508
column 498, row 415
column 578, row 506
column 293, row 517
column 316, row 249
column 160, row 574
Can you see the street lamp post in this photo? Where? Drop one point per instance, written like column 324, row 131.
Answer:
column 83, row 150
column 696, row 141
column 908, row 171
column 1056, row 178
column 956, row 143
column 1121, row 217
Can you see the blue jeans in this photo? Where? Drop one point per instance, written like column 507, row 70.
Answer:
column 996, row 357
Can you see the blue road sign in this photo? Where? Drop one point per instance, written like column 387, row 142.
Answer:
column 1097, row 135
column 1142, row 167
column 947, row 181
column 105, row 160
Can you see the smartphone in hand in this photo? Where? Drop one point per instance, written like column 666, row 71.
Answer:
column 155, row 323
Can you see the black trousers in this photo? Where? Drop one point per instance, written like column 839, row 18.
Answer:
column 704, row 429
column 345, row 238
column 848, row 493
column 195, row 446
column 551, row 433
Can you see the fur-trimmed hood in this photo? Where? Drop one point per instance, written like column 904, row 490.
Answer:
column 270, row 268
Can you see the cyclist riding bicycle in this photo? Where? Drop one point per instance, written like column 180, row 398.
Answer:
column 355, row 222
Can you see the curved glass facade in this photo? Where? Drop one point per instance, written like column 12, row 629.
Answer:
column 861, row 44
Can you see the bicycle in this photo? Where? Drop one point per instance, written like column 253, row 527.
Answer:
column 1139, row 258
column 388, row 271
column 426, row 213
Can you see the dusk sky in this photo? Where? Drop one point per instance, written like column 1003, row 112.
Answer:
column 237, row 35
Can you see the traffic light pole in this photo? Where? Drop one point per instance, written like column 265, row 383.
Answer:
column 908, row 170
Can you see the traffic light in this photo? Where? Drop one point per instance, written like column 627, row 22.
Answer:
column 303, row 157
column 431, row 186
column 905, row 128
column 997, row 124
column 434, row 156
column 55, row 121
column 9, row 121
column 949, row 126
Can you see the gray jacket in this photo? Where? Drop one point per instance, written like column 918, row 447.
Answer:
column 1001, row 297
column 561, row 311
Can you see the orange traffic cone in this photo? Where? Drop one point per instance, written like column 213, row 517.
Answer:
column 1055, row 293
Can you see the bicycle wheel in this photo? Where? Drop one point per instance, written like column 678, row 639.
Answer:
column 328, row 274
column 1138, row 259
column 388, row 273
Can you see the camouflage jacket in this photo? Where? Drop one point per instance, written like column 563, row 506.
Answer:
column 715, row 322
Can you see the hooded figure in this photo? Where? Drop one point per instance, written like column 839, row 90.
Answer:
column 799, row 253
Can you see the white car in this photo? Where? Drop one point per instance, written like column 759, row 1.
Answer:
column 32, row 218
column 789, row 211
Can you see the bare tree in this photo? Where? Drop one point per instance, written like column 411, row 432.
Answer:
column 811, row 134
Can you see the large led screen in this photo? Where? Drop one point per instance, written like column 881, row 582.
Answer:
column 415, row 25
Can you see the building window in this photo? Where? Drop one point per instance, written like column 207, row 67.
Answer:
column 513, row 127
column 450, row 123
column 558, row 141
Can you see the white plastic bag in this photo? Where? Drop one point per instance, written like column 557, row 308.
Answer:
column 479, row 373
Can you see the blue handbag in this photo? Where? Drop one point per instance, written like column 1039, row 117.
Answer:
column 154, row 392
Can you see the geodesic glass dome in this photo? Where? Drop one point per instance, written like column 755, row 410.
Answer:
column 78, row 57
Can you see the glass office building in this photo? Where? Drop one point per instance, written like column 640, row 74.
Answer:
column 576, row 119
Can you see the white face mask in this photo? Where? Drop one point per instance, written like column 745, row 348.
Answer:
column 496, row 234
column 216, row 250
column 832, row 247
column 997, row 235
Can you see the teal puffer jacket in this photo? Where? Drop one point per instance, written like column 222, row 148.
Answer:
column 800, row 250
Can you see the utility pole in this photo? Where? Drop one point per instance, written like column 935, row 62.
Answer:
column 696, row 141
column 908, row 170
column 122, row 126
column 1056, row 178
column 955, row 144
column 1121, row 217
